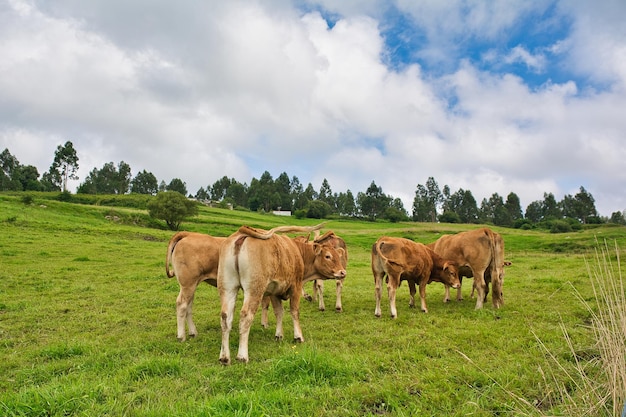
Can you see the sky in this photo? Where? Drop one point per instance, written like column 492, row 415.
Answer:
column 523, row 96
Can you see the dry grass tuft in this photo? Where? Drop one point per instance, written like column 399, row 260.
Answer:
column 596, row 386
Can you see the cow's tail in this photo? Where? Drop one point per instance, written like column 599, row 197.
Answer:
column 266, row 234
column 496, row 266
column 170, row 249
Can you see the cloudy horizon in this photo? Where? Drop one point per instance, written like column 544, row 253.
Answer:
column 492, row 97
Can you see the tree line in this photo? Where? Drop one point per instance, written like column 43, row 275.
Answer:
column 430, row 204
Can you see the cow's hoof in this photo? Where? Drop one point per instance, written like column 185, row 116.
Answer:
column 225, row 361
column 446, row 300
column 377, row 315
column 180, row 339
column 278, row 338
column 424, row 311
column 322, row 309
column 411, row 305
column 394, row 317
column 192, row 335
column 308, row 297
column 339, row 309
column 297, row 340
column 243, row 360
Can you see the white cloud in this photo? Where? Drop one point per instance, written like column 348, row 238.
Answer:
column 199, row 91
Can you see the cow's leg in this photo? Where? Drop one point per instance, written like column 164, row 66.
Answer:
column 459, row 293
column 412, row 292
column 184, row 303
column 378, row 283
column 305, row 295
column 423, row 283
column 392, row 286
column 294, row 309
column 318, row 285
column 251, row 302
column 479, row 284
column 446, row 295
column 265, row 306
column 228, row 298
column 277, row 304
column 497, row 296
column 338, row 306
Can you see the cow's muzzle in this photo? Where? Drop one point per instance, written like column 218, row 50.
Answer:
column 340, row 274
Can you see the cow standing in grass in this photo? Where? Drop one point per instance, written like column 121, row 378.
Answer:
column 318, row 284
column 402, row 259
column 266, row 263
column 479, row 254
column 194, row 258
column 328, row 238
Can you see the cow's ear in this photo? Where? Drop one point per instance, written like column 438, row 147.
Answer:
column 317, row 248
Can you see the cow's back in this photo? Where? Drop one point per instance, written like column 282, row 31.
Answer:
column 246, row 261
column 471, row 249
column 196, row 256
column 411, row 257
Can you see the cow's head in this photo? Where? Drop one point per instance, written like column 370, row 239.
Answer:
column 450, row 274
column 328, row 262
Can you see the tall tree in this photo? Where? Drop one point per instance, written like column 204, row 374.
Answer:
column 282, row 185
column 177, row 185
column 373, row 203
column 427, row 199
column 534, row 211
column 261, row 194
column 494, row 211
column 297, row 194
column 29, row 177
column 550, row 208
column 586, row 206
column 9, row 172
column 421, row 207
column 237, row 193
column 219, row 187
column 108, row 180
column 64, row 166
column 144, row 183
column 513, row 207
column 345, row 204
column 326, row 195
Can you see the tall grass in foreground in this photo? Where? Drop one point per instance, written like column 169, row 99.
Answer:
column 588, row 382
column 597, row 387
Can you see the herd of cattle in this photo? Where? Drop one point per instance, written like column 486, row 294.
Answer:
column 270, row 267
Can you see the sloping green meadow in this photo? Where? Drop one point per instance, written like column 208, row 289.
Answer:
column 88, row 326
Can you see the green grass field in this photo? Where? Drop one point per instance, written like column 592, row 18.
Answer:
column 88, row 326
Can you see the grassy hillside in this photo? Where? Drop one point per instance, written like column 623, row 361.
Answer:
column 88, row 326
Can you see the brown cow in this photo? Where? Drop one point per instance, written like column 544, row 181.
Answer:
column 194, row 258
column 328, row 238
column 479, row 254
column 265, row 263
column 318, row 284
column 403, row 259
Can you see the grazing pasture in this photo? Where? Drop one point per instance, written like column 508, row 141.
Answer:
column 88, row 326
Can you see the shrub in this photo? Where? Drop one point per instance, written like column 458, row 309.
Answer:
column 173, row 207
column 318, row 210
column 560, row 226
column 27, row 199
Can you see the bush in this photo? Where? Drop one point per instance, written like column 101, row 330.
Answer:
column 560, row 226
column 173, row 207
column 318, row 210
column 449, row 217
column 65, row 196
column 27, row 199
